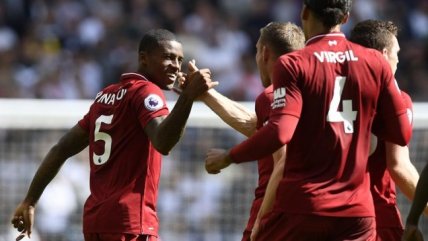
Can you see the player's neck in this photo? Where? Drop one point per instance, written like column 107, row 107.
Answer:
column 319, row 29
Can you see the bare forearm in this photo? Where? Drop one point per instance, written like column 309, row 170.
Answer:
column 73, row 142
column 44, row 175
column 406, row 178
column 231, row 112
column 266, row 140
column 270, row 194
column 172, row 127
column 401, row 169
column 275, row 178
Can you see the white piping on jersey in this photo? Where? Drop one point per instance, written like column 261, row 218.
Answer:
column 142, row 76
column 324, row 35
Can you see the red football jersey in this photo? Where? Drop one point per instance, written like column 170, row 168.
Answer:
column 125, row 167
column 265, row 165
column 334, row 88
column 382, row 185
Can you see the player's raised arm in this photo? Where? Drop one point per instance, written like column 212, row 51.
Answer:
column 165, row 131
column 231, row 112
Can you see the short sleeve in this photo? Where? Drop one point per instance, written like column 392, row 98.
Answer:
column 287, row 96
column 262, row 106
column 409, row 105
column 389, row 124
column 84, row 122
column 149, row 102
column 390, row 102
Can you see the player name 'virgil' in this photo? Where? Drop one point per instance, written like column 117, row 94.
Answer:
column 335, row 57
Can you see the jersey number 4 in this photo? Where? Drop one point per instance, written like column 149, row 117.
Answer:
column 102, row 136
column 347, row 115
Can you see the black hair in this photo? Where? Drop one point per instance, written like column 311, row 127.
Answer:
column 153, row 37
column 330, row 12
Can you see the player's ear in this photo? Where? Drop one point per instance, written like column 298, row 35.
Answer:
column 385, row 53
column 142, row 57
column 304, row 14
column 345, row 18
column 265, row 53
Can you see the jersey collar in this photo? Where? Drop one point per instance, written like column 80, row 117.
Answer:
column 316, row 37
column 126, row 77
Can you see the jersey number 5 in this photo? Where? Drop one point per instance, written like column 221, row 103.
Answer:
column 102, row 136
column 347, row 116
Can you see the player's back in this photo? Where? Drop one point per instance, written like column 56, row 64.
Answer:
column 340, row 84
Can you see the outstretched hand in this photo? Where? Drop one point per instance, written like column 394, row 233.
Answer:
column 197, row 81
column 216, row 159
column 192, row 66
column 23, row 220
column 180, row 82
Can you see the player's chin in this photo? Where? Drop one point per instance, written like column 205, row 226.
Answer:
column 171, row 79
column 168, row 83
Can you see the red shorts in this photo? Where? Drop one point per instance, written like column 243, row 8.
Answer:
column 118, row 237
column 279, row 226
column 389, row 234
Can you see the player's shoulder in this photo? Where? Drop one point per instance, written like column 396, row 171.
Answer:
column 266, row 95
column 297, row 54
column 365, row 53
column 131, row 86
column 371, row 58
column 143, row 88
column 135, row 80
column 295, row 61
column 268, row 91
column 141, row 83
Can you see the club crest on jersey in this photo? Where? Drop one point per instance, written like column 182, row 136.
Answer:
column 278, row 98
column 332, row 42
column 153, row 102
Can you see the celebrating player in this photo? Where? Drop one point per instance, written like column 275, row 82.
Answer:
column 275, row 39
column 325, row 99
column 127, row 129
column 389, row 164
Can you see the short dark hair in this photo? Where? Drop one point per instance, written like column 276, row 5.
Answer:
column 330, row 12
column 375, row 34
column 153, row 37
column 282, row 37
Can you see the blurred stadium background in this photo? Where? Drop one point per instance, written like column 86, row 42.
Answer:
column 193, row 206
column 68, row 49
